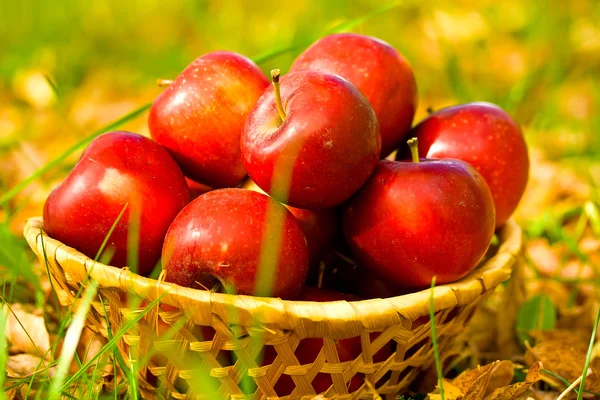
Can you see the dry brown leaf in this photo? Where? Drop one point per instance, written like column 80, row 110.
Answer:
column 478, row 389
column 502, row 376
column 26, row 332
column 563, row 352
column 21, row 365
column 466, row 379
column 474, row 384
column 543, row 395
column 518, row 389
column 11, row 393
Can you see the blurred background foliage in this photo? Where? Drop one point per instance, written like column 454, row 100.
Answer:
column 68, row 66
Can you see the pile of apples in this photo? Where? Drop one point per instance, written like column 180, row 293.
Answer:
column 264, row 189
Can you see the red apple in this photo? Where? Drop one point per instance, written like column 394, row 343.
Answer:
column 118, row 169
column 199, row 118
column 486, row 137
column 378, row 70
column 319, row 226
column 219, row 238
column 308, row 349
column 315, row 144
column 415, row 220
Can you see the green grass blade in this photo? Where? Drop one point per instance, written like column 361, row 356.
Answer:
column 348, row 25
column 110, row 232
column 70, row 343
column 588, row 358
column 436, row 350
column 133, row 235
column 456, row 78
column 112, row 342
column 3, row 351
column 344, row 26
column 116, row 353
column 133, row 389
column 53, row 85
column 58, row 160
column 50, row 278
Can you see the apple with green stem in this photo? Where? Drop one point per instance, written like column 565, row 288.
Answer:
column 419, row 219
column 486, row 137
column 312, row 141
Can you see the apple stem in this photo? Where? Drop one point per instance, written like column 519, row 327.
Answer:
column 275, row 77
column 414, row 149
column 163, row 82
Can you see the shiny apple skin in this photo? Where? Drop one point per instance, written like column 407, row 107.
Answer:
column 319, row 226
column 117, row 168
column 486, row 137
column 199, row 117
column 330, row 140
column 219, row 236
column 412, row 221
column 308, row 349
column 378, row 70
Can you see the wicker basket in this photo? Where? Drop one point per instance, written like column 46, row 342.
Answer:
column 245, row 324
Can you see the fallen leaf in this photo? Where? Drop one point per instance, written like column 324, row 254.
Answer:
column 451, row 392
column 478, row 389
column 563, row 352
column 21, row 365
column 475, row 383
column 543, row 395
column 502, row 375
column 466, row 379
column 518, row 389
column 26, row 332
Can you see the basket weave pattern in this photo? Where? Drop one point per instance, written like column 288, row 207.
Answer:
column 245, row 325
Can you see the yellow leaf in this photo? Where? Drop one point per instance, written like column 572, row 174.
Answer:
column 467, row 379
column 502, row 375
column 21, row 365
column 451, row 392
column 26, row 332
column 563, row 352
column 518, row 389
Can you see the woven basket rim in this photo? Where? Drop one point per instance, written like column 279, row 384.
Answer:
column 338, row 318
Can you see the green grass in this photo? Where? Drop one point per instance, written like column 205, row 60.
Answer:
column 588, row 358
column 436, row 350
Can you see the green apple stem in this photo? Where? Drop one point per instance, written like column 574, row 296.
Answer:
column 414, row 149
column 275, row 77
column 163, row 82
